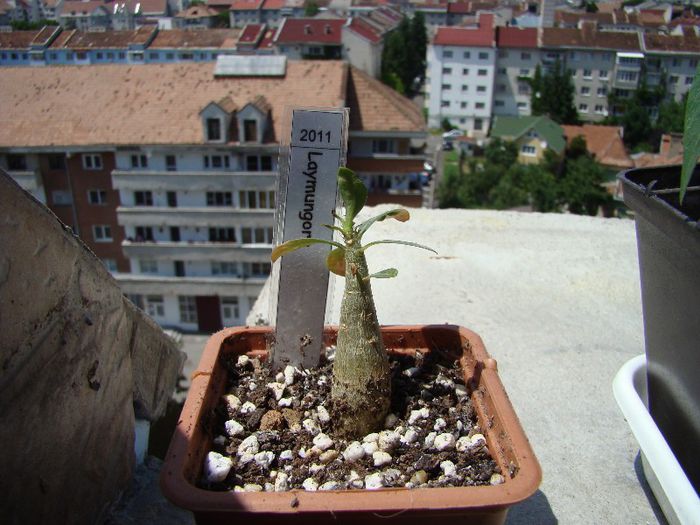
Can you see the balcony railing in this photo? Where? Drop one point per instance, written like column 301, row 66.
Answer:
column 204, row 180
column 195, row 217
column 168, row 285
column 197, row 251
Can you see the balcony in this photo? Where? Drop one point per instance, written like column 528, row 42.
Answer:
column 205, row 180
column 29, row 180
column 193, row 217
column 168, row 285
column 197, row 251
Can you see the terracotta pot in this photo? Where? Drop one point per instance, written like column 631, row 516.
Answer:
column 485, row 504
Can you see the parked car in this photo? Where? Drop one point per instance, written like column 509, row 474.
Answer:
column 448, row 146
column 452, row 134
column 428, row 167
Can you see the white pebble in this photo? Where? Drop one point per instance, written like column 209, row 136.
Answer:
column 302, row 453
column 444, row 381
column 460, row 426
column 429, row 440
column 463, row 444
column 496, row 479
column 461, row 390
column 381, row 458
column 311, row 426
column 232, row 403
column 330, row 353
column 233, row 428
column 264, row 459
column 388, row 440
column 247, row 407
column 448, row 468
column 252, row 386
column 269, row 487
column 279, row 377
column 478, row 439
column 314, row 469
column 289, row 374
column 328, row 456
column 354, row 451
column 245, row 458
column 409, row 437
column 444, row 441
column 249, row 446
column 329, row 485
column 418, row 414
column 286, row 455
column 411, row 372
column 390, row 421
column 281, row 480
column 285, row 402
column 371, row 438
column 323, row 442
column 310, row 484
column 374, row 481
column 323, row 415
column 391, row 476
column 243, row 360
column 252, row 487
column 439, row 424
column 322, row 381
column 277, row 389
column 370, row 448
column 217, row 467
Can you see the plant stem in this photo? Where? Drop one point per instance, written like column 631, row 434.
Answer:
column 361, row 377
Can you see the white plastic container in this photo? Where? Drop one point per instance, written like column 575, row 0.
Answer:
column 668, row 482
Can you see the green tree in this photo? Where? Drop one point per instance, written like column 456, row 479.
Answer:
column 541, row 186
column 311, row 8
column 536, row 86
column 501, row 153
column 671, row 117
column 394, row 61
column 403, row 56
column 591, row 7
column 553, row 95
column 419, row 46
column 581, row 188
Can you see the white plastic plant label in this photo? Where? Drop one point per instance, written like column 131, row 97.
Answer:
column 308, row 190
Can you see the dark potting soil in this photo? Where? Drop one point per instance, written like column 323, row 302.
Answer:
column 283, row 440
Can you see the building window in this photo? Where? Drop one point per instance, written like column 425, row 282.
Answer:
column 481, row 89
column 463, row 105
column 219, row 198
column 446, row 53
column 256, row 199
column 465, row 71
column 383, row 146
column 224, row 268
column 258, row 163
column 524, row 72
column 256, row 235
column 502, row 71
column 229, row 308
column 522, row 105
column 188, row 308
column 81, row 55
column 499, row 103
column 583, row 108
column 122, row 55
column 217, row 161
column 92, row 161
column 143, row 198
column 599, row 109
column 466, row 54
column 99, row 56
column 148, row 266
column 478, row 124
column 154, row 55
column 483, row 56
column 139, row 161
column 170, row 56
column 61, row 198
column 482, row 72
column 97, row 197
column 57, row 162
column 585, row 91
column 525, row 56
column 137, row 57
column 170, row 163
column 465, row 87
column 446, row 70
column 587, row 74
column 102, row 233
column 673, row 79
column 144, row 233
column 480, row 105
column 523, row 88
column 446, row 87
column 213, row 129
column 257, row 269
column 250, row 130
column 222, row 235
column 689, row 80
column 445, row 104
column 603, row 74
column 528, row 150
column 628, row 76
column 110, row 264
column 502, row 54
column 602, row 92
column 155, row 306
column 16, row 162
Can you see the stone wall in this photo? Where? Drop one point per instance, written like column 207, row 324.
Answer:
column 77, row 362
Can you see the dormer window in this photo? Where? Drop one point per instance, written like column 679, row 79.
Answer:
column 250, row 130
column 213, row 129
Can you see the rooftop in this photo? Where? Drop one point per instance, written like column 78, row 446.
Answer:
column 310, row 30
column 589, row 36
column 604, row 142
column 193, row 38
column 512, row 128
column 481, row 36
column 517, row 37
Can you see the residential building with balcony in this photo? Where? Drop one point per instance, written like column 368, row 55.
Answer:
column 461, row 67
column 310, row 38
column 168, row 171
column 518, row 57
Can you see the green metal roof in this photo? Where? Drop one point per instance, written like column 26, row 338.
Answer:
column 512, row 128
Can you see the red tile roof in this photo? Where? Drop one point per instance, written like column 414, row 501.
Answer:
column 688, row 42
column 251, row 33
column 246, row 5
column 483, row 36
column 197, row 11
column 193, row 38
column 517, row 37
column 590, row 37
column 102, row 39
column 73, row 7
column 362, row 28
column 603, row 142
column 274, row 4
column 17, row 39
column 310, row 30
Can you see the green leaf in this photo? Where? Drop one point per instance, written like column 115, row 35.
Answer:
column 400, row 214
column 336, row 261
column 691, row 134
column 334, row 228
column 354, row 194
column 384, row 274
column 291, row 246
column 405, row 243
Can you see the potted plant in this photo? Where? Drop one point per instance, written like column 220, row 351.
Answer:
column 666, row 203
column 361, row 387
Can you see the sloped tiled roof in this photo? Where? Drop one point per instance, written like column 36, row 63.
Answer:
column 603, row 142
column 310, row 30
column 481, row 36
column 197, row 11
column 590, row 37
column 246, row 5
column 17, row 39
column 73, row 39
column 376, row 107
column 512, row 128
column 688, row 42
column 193, row 38
column 365, row 30
column 145, row 104
column 517, row 37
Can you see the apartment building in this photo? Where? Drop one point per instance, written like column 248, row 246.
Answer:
column 461, row 66
column 168, row 171
column 516, row 61
column 310, row 38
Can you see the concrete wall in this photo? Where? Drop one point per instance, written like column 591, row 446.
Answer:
column 79, row 363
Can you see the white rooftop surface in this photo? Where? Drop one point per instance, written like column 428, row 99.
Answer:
column 556, row 300
column 262, row 66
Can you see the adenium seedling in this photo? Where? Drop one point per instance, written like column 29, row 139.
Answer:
column 361, row 391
